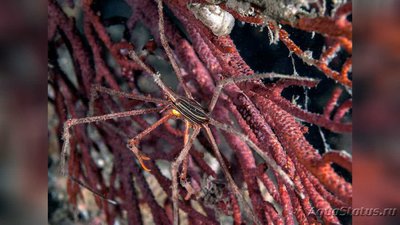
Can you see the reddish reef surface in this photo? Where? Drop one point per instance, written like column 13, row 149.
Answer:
column 304, row 125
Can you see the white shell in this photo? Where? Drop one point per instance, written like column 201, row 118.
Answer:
column 217, row 20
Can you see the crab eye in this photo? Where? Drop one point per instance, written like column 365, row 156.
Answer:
column 217, row 20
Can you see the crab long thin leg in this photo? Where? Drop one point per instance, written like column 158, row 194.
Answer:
column 112, row 92
column 135, row 140
column 186, row 160
column 95, row 89
column 72, row 122
column 168, row 49
column 156, row 76
column 271, row 162
column 174, row 172
column 132, row 143
column 256, row 76
column 170, row 94
column 234, row 188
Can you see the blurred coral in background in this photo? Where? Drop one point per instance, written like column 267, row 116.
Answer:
column 376, row 150
column 23, row 133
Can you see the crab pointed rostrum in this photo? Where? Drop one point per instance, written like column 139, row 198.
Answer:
column 148, row 99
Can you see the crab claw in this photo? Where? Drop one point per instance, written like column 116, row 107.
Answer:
column 144, row 157
column 140, row 156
